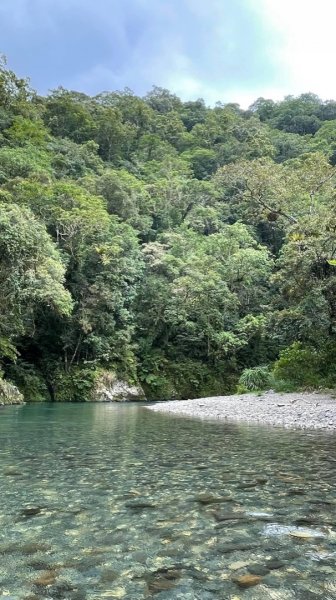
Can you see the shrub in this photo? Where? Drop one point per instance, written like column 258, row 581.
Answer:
column 30, row 382
column 257, row 378
column 185, row 379
column 299, row 365
column 75, row 385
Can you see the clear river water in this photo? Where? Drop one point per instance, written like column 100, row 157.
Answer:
column 116, row 501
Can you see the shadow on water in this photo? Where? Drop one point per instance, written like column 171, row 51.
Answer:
column 115, row 501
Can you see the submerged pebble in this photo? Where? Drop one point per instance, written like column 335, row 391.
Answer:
column 123, row 503
column 46, row 579
column 246, row 581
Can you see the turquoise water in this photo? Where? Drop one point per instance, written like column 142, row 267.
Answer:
column 114, row 501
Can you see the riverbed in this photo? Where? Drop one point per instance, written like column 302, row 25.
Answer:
column 116, row 501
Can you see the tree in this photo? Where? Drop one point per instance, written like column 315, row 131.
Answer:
column 103, row 284
column 14, row 91
column 306, row 281
column 32, row 275
column 126, row 196
column 209, row 291
column 162, row 100
column 24, row 131
column 165, row 240
column 68, row 115
column 270, row 191
column 203, row 162
column 192, row 113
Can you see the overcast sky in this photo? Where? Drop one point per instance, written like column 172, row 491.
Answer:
column 226, row 50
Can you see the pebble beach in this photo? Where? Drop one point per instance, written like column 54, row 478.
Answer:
column 310, row 410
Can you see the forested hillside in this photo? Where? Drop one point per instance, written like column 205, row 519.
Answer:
column 190, row 248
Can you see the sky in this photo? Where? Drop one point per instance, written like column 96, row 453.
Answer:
column 221, row 50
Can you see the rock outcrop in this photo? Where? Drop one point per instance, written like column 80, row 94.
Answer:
column 9, row 393
column 109, row 388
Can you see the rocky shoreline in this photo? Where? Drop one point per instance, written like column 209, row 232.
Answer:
column 309, row 410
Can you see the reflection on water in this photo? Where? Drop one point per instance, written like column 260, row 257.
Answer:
column 115, row 501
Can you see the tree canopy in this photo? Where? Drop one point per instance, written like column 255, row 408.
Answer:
column 173, row 243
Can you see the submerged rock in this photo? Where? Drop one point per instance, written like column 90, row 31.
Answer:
column 230, row 516
column 30, row 511
column 275, row 563
column 139, row 505
column 46, row 579
column 246, row 581
column 258, row 569
column 32, row 548
column 163, row 579
column 108, row 388
column 236, row 547
column 12, row 472
column 296, row 492
column 245, row 485
column 305, row 535
column 301, row 533
column 239, row 564
column 206, row 499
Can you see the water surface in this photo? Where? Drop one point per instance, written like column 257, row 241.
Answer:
column 114, row 501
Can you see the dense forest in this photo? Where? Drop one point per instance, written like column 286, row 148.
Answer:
column 188, row 248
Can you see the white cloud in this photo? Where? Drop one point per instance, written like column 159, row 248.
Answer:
column 221, row 50
column 188, row 88
column 304, row 43
column 300, row 44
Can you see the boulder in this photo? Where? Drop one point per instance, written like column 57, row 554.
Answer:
column 9, row 393
column 109, row 388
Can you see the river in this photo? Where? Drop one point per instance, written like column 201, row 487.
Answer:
column 115, row 501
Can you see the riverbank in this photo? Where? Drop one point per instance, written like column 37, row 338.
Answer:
column 313, row 410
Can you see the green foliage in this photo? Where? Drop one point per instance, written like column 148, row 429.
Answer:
column 22, row 162
column 74, row 160
column 187, row 378
column 302, row 115
column 203, row 162
column 24, row 131
column 14, row 91
column 257, row 378
column 306, row 367
column 31, row 274
column 184, row 245
column 126, row 197
column 30, row 382
column 75, row 385
column 68, row 115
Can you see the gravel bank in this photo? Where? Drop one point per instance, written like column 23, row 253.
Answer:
column 301, row 410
